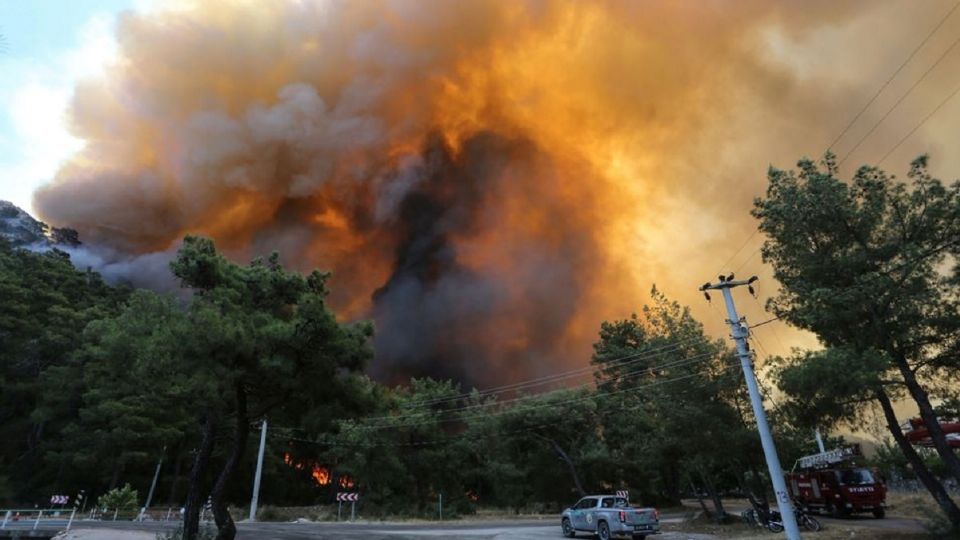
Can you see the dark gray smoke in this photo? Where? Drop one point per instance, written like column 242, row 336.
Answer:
column 437, row 316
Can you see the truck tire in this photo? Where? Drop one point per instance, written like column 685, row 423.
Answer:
column 603, row 530
column 879, row 513
column 639, row 537
column 567, row 528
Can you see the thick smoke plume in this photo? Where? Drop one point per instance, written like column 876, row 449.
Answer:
column 488, row 180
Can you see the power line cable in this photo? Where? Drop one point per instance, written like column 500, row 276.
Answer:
column 501, row 413
column 919, row 125
column 880, row 90
column 772, row 328
column 899, row 101
column 748, row 259
column 491, row 404
column 866, row 106
column 599, row 414
column 526, row 408
column 538, row 381
column 737, row 252
column 768, row 321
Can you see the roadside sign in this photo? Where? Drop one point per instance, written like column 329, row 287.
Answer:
column 352, row 498
column 623, row 493
column 59, row 499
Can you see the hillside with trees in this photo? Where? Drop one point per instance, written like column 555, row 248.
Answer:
column 102, row 381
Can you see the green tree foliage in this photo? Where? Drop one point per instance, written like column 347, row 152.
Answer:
column 121, row 498
column 405, row 453
column 265, row 342
column 679, row 389
column 45, row 304
column 662, row 390
column 431, row 439
column 869, row 266
column 136, row 388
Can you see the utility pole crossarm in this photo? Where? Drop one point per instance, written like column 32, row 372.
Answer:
column 739, row 333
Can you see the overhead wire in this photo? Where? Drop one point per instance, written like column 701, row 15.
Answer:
column 737, row 252
column 886, row 83
column 501, row 413
column 492, row 404
column 547, row 379
column 899, row 101
column 920, row 124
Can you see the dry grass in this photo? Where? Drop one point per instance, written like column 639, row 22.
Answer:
column 913, row 505
column 829, row 532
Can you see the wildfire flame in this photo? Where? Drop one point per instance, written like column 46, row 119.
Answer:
column 321, row 475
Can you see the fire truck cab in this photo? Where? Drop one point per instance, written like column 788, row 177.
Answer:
column 833, row 482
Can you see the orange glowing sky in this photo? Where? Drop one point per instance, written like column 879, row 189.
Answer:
column 624, row 143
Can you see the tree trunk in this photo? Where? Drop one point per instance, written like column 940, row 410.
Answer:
column 930, row 419
column 671, row 483
column 191, row 514
column 759, row 488
column 714, row 496
column 573, row 469
column 919, row 467
column 703, row 505
column 117, row 470
column 175, row 482
column 226, row 529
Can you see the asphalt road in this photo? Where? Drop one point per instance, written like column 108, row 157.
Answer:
column 519, row 529
column 487, row 530
column 515, row 529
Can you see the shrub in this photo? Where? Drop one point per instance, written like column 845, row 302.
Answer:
column 122, row 499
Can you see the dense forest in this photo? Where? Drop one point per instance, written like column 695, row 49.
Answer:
column 101, row 381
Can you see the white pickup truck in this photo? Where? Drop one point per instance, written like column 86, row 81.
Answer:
column 607, row 516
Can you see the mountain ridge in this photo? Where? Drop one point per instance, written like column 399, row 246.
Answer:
column 24, row 231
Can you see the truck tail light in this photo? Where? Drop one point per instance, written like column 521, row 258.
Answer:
column 623, row 517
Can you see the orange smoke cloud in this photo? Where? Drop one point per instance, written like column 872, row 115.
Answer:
column 487, row 180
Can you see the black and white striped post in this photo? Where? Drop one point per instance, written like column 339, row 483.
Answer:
column 76, row 505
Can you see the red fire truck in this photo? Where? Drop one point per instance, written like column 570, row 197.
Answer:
column 833, row 482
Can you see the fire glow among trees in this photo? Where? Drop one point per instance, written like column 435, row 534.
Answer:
column 320, row 474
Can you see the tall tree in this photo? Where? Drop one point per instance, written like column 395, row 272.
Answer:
column 266, row 342
column 136, row 387
column 660, row 375
column 45, row 304
column 864, row 265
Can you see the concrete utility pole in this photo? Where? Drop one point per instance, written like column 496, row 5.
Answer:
column 153, row 485
column 256, row 478
column 740, row 332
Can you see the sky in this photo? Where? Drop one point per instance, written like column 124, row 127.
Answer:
column 49, row 44
column 633, row 137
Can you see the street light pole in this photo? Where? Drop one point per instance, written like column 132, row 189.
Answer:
column 740, row 332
